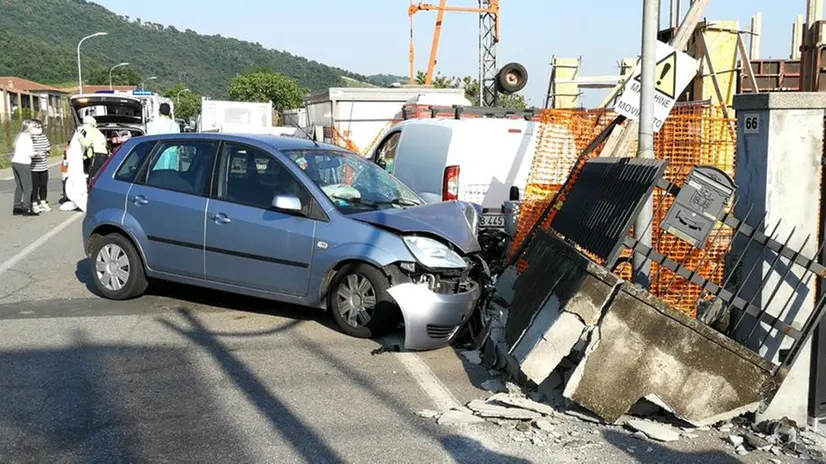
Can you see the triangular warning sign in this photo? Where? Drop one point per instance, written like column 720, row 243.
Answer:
column 665, row 75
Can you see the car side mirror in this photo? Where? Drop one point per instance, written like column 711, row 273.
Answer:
column 287, row 203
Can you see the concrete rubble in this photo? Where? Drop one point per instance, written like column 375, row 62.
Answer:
column 568, row 323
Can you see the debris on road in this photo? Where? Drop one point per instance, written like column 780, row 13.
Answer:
column 736, row 440
column 494, row 385
column 653, row 430
column 454, row 417
column 544, row 425
column 485, row 409
column 473, row 357
column 427, row 413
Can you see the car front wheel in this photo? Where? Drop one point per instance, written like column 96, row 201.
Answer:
column 117, row 269
column 360, row 303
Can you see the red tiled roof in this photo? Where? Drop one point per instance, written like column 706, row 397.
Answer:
column 25, row 85
column 95, row 88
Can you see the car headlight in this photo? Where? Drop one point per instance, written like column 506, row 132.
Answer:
column 433, row 253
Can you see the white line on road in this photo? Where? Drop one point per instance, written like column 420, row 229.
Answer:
column 441, row 396
column 51, row 165
column 427, row 380
column 38, row 243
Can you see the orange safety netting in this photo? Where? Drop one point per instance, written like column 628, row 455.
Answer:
column 694, row 135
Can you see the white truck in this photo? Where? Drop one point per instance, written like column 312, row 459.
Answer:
column 356, row 118
column 233, row 116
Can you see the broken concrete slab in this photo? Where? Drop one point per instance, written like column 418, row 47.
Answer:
column 523, row 403
column 543, row 425
column 757, row 442
column 454, row 417
column 555, row 301
column 583, row 415
column 642, row 347
column 736, row 440
column 654, row 431
column 485, row 409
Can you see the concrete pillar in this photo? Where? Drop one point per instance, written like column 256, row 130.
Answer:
column 779, row 149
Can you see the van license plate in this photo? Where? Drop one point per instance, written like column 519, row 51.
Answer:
column 493, row 220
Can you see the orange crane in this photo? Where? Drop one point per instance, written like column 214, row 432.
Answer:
column 487, row 8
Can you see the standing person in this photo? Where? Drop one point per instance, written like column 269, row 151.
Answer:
column 40, row 169
column 165, row 125
column 21, row 164
column 94, row 146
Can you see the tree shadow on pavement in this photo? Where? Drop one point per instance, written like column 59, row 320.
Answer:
column 102, row 403
column 638, row 449
column 312, row 447
column 461, row 448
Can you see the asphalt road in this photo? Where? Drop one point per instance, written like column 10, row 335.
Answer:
column 187, row 375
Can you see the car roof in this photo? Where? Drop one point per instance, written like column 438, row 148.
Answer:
column 277, row 142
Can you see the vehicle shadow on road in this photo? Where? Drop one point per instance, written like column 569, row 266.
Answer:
column 197, row 298
column 647, row 452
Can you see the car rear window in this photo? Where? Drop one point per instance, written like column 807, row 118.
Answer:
column 133, row 162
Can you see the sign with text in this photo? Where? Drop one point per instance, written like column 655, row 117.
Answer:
column 675, row 70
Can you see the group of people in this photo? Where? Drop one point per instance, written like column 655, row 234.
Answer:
column 87, row 151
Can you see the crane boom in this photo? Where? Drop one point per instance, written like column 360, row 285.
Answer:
column 441, row 8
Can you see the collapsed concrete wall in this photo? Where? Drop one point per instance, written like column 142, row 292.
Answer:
column 643, row 349
column 633, row 345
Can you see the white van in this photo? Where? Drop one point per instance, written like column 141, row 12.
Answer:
column 480, row 160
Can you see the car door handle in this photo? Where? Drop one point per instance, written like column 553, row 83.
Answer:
column 220, row 218
column 139, row 200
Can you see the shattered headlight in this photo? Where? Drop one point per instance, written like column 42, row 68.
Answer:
column 433, row 253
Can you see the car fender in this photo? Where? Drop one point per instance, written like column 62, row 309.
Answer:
column 328, row 260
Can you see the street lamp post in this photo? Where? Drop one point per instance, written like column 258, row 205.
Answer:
column 178, row 97
column 113, row 68
column 143, row 83
column 79, row 72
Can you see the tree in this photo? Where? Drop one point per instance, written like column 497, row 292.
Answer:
column 189, row 105
column 471, row 86
column 264, row 87
column 120, row 76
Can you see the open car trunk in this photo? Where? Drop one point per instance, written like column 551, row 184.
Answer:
column 118, row 117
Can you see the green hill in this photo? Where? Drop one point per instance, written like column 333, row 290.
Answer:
column 42, row 36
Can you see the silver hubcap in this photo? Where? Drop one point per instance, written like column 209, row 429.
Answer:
column 356, row 300
column 112, row 267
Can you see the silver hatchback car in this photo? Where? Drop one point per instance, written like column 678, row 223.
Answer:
column 285, row 219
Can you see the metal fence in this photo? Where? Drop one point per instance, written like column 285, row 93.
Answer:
column 758, row 295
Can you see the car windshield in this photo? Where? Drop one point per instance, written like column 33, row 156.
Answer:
column 351, row 182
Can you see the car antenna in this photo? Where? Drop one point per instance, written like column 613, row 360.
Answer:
column 312, row 139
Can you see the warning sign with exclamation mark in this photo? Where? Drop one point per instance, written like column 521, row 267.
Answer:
column 674, row 72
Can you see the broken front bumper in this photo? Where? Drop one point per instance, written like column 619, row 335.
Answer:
column 431, row 319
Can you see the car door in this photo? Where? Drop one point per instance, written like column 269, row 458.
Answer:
column 168, row 203
column 249, row 243
column 385, row 155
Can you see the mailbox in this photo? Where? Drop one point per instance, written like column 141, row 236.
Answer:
column 699, row 205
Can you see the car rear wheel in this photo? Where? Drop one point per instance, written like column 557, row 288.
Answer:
column 360, row 303
column 117, row 269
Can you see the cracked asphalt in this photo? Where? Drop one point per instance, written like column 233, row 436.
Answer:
column 187, row 375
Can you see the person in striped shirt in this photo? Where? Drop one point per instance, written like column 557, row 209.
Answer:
column 40, row 170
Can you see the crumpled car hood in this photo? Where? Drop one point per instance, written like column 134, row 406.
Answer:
column 448, row 220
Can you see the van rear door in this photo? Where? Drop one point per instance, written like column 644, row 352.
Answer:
column 493, row 155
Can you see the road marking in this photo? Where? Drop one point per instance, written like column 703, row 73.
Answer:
column 37, row 243
column 441, row 396
column 427, row 380
column 51, row 165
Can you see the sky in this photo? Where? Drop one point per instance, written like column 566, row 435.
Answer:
column 373, row 36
